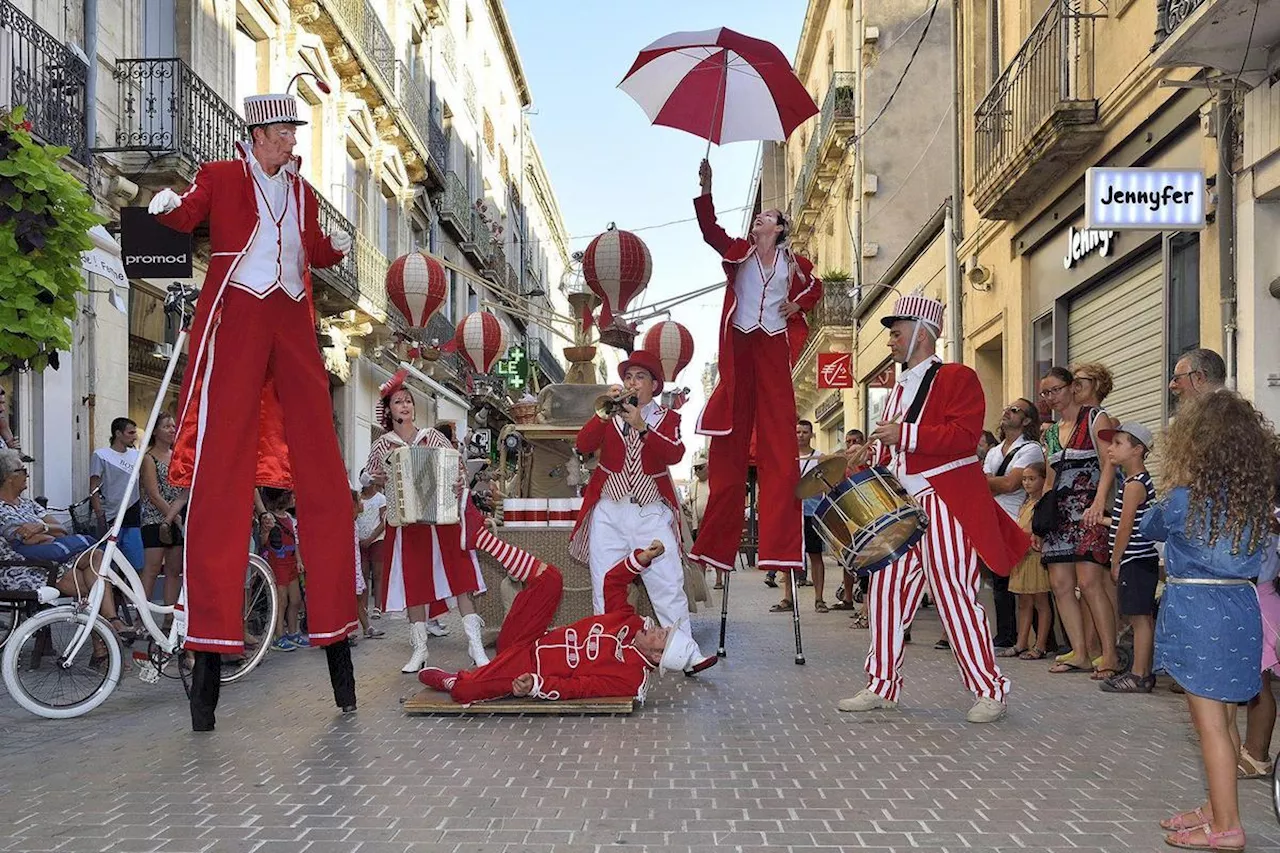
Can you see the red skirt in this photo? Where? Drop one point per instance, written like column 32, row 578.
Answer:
column 425, row 563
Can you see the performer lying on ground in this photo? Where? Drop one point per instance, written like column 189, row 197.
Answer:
column 630, row 499
column 608, row 655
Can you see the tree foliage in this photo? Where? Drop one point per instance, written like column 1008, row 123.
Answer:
column 45, row 217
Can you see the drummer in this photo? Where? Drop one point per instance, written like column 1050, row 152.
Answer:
column 931, row 424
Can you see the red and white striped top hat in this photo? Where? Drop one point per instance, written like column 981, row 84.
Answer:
column 916, row 306
column 271, row 109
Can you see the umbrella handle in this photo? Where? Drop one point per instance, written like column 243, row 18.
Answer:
column 724, row 84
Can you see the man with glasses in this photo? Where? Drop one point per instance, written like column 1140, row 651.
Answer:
column 1197, row 373
column 1019, row 447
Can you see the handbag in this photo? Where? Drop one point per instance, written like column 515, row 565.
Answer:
column 1044, row 518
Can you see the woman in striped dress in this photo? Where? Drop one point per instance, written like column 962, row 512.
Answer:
column 424, row 564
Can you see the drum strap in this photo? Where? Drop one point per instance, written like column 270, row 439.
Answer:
column 917, row 405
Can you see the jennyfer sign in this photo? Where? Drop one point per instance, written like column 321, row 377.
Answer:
column 1150, row 199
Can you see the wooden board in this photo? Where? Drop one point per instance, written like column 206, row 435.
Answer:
column 432, row 702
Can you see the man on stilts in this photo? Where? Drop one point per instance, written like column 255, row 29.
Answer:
column 931, row 425
column 255, row 399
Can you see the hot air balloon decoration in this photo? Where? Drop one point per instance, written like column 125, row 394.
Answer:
column 417, row 286
column 616, row 267
column 672, row 344
column 481, row 339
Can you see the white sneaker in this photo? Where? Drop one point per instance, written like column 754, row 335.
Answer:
column 435, row 629
column 866, row 700
column 987, row 711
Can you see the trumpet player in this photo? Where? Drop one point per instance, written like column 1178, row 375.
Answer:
column 423, row 565
column 630, row 500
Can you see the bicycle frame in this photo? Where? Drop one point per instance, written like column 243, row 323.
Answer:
column 115, row 567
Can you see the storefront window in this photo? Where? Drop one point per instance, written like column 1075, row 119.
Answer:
column 877, row 395
column 1184, row 296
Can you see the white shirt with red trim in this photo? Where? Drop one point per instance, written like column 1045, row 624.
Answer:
column 275, row 258
column 761, row 294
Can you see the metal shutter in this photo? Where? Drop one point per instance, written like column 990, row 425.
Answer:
column 1121, row 325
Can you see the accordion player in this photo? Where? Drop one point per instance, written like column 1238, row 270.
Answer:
column 422, row 486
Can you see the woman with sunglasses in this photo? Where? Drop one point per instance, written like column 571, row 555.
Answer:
column 1076, row 551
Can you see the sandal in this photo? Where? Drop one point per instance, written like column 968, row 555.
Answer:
column 843, row 605
column 781, row 607
column 820, row 606
column 1033, row 654
column 1248, row 767
column 860, row 622
column 1105, row 674
column 1182, row 839
column 1128, row 683
column 1061, row 667
column 1012, row 653
column 1186, row 820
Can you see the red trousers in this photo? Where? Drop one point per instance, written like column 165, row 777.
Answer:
column 947, row 558
column 530, row 617
column 763, row 399
column 249, row 340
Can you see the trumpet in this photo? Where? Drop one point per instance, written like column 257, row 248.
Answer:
column 607, row 406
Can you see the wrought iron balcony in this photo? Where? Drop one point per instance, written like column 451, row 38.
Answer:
column 439, row 330
column 414, row 110
column 167, row 109
column 39, row 73
column 360, row 280
column 1215, row 34
column 448, row 51
column 831, row 320
column 825, row 151
column 480, row 245
column 455, row 207
column 1040, row 117
column 362, row 30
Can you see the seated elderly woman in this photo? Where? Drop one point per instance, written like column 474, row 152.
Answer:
column 30, row 534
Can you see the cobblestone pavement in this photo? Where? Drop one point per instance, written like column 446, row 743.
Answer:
column 751, row 757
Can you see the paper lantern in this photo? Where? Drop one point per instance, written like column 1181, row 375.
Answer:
column 481, row 339
column 417, row 286
column 672, row 344
column 616, row 266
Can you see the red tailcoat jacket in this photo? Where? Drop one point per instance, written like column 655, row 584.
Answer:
column 223, row 193
column 803, row 288
column 594, row 657
column 940, row 447
column 662, row 447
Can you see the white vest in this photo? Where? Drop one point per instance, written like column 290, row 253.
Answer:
column 760, row 298
column 275, row 258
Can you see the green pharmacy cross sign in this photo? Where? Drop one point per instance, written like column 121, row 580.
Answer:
column 514, row 368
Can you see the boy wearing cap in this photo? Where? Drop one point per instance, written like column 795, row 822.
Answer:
column 1135, row 565
column 255, row 378
column 611, row 654
column 630, row 499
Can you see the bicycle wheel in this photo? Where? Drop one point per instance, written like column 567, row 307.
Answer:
column 42, row 681
column 261, row 605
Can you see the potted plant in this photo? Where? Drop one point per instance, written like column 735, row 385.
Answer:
column 45, row 217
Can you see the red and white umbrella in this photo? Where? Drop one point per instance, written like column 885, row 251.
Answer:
column 672, row 344
column 481, row 339
column 719, row 85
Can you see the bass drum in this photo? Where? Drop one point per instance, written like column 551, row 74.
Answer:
column 869, row 521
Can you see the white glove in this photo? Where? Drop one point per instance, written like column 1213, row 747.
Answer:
column 340, row 241
column 163, row 202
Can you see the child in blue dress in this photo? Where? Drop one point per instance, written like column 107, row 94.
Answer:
column 1220, row 472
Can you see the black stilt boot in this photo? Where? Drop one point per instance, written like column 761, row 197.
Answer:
column 206, row 683
column 342, row 675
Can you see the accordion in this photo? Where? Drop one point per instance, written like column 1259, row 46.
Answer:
column 421, row 486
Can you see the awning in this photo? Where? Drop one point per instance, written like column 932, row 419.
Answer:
column 104, row 258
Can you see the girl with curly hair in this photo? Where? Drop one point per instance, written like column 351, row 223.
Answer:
column 1220, row 467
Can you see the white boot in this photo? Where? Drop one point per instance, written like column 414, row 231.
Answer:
column 471, row 625
column 418, row 636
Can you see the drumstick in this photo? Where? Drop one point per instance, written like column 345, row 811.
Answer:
column 861, row 455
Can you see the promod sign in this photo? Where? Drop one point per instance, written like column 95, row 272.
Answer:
column 1144, row 199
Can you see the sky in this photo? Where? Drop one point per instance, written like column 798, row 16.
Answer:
column 608, row 164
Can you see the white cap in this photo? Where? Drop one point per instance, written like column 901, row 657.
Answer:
column 271, row 109
column 681, row 652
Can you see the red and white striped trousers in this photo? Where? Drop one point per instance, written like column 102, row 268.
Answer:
column 948, row 558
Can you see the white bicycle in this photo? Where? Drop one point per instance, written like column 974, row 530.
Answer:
column 66, row 660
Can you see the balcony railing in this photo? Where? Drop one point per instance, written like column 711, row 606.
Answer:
column 449, row 52
column 834, row 314
column 363, row 30
column 362, row 275
column 834, row 120
column 1171, row 13
column 166, row 108
column 439, row 142
column 1039, row 116
column 439, row 330
column 415, row 108
column 39, row 73
column 481, row 246
column 455, row 206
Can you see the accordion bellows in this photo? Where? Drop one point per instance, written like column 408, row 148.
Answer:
column 421, row 485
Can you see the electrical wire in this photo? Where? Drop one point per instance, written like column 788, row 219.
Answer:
column 663, row 224
column 902, row 77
